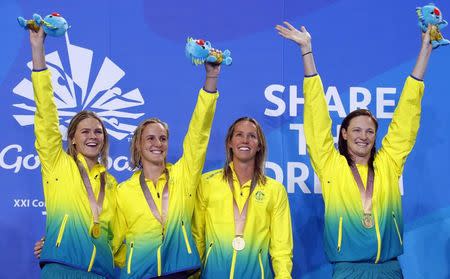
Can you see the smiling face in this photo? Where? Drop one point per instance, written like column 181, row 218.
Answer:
column 153, row 144
column 89, row 139
column 360, row 136
column 244, row 142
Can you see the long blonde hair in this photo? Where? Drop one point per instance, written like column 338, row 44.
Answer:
column 260, row 157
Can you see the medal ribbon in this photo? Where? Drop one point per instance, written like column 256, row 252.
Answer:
column 161, row 217
column 96, row 205
column 366, row 193
column 240, row 218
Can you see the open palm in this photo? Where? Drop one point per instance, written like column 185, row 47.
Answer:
column 301, row 37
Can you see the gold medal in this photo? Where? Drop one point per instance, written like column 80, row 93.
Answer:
column 238, row 243
column 96, row 230
column 367, row 221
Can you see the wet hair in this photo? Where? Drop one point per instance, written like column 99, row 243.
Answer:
column 136, row 156
column 73, row 125
column 342, row 143
column 260, row 156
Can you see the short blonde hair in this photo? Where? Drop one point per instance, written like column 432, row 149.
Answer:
column 136, row 156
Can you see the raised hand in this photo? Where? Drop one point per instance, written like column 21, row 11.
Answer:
column 37, row 38
column 212, row 69
column 301, row 37
column 426, row 39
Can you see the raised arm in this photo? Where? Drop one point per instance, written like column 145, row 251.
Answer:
column 424, row 55
column 37, row 49
column 46, row 123
column 317, row 121
column 404, row 126
column 197, row 137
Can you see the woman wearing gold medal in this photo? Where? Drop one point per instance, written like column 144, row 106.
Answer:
column 242, row 222
column 363, row 213
column 79, row 192
column 155, row 204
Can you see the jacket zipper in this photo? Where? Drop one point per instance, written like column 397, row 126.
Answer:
column 233, row 264
column 261, row 263
column 112, row 255
column 159, row 260
column 91, row 263
column 396, row 227
column 339, row 235
column 61, row 230
column 207, row 254
column 186, row 240
column 130, row 257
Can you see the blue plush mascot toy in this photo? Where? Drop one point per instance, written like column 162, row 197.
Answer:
column 430, row 14
column 200, row 52
column 54, row 24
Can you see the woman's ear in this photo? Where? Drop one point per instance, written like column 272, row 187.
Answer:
column 344, row 134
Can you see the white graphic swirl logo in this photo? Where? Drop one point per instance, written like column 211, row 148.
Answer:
column 73, row 95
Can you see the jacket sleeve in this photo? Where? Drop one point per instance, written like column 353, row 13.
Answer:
column 317, row 124
column 402, row 131
column 196, row 140
column 281, row 243
column 199, row 221
column 46, row 123
column 119, row 228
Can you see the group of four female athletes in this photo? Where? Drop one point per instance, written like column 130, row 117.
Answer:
column 169, row 221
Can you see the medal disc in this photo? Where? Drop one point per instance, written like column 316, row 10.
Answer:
column 367, row 221
column 238, row 243
column 96, row 231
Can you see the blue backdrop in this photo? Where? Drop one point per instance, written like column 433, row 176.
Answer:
column 125, row 60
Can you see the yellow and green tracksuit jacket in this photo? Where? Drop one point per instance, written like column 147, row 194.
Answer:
column 345, row 239
column 147, row 253
column 267, row 233
column 69, row 216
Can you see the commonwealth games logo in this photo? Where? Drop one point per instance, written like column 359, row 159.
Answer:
column 74, row 92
